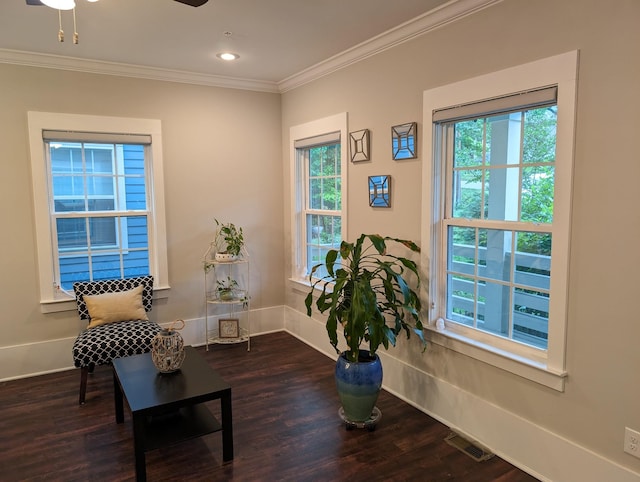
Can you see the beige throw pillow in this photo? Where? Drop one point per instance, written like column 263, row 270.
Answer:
column 113, row 307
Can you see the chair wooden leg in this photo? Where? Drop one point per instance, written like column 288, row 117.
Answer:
column 84, row 372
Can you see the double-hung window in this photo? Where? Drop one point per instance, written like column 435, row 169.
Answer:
column 499, row 213
column 318, row 172
column 98, row 200
column 496, row 230
column 100, row 214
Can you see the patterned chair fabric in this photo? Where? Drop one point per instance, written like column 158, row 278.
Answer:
column 101, row 344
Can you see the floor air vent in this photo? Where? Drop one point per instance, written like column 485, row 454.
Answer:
column 473, row 450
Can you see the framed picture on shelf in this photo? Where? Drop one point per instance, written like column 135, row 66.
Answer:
column 228, row 328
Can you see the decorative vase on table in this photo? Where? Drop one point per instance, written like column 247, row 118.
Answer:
column 167, row 349
column 358, row 386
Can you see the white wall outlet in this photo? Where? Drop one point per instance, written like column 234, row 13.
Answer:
column 632, row 442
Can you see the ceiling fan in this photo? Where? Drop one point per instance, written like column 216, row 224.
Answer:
column 71, row 5
column 193, row 3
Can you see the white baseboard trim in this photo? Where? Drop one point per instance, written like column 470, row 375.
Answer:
column 534, row 449
column 32, row 359
column 263, row 321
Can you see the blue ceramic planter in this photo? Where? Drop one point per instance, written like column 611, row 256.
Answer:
column 358, row 385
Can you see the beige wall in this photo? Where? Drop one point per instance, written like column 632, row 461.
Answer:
column 603, row 358
column 212, row 170
column 221, row 160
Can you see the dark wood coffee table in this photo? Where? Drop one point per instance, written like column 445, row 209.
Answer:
column 168, row 408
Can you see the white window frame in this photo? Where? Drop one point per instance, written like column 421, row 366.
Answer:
column 326, row 125
column 51, row 297
column 542, row 366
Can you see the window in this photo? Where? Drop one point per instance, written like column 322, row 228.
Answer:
column 319, row 172
column 98, row 200
column 100, row 217
column 496, row 229
column 497, row 226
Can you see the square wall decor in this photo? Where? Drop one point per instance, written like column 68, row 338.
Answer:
column 359, row 144
column 380, row 191
column 404, row 141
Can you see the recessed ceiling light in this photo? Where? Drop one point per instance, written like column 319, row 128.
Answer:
column 227, row 56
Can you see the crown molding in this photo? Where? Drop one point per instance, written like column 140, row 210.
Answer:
column 60, row 62
column 431, row 20
column 445, row 14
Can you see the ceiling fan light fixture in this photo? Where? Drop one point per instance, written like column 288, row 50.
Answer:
column 60, row 4
column 227, row 56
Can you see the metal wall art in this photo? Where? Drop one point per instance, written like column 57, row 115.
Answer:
column 404, row 141
column 380, row 191
column 359, row 145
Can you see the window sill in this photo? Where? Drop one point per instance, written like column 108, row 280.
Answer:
column 303, row 284
column 69, row 303
column 531, row 370
column 300, row 283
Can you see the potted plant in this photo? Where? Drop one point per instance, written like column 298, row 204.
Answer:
column 366, row 293
column 226, row 289
column 229, row 241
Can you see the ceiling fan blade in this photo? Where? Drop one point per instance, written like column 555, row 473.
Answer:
column 193, row 3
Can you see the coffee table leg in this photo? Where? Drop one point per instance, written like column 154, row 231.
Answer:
column 117, row 396
column 227, row 426
column 139, row 446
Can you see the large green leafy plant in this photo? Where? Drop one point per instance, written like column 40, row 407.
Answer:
column 366, row 293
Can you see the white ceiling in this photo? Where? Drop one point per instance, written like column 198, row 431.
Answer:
column 277, row 40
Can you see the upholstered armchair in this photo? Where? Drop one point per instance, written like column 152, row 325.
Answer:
column 118, row 323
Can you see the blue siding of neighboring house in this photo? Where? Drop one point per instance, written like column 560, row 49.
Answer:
column 134, row 166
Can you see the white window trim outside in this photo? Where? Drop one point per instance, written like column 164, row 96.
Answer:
column 561, row 70
column 51, row 298
column 334, row 123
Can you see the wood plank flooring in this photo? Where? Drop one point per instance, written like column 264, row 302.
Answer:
column 286, row 428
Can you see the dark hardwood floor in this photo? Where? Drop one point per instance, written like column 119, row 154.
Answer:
column 286, row 427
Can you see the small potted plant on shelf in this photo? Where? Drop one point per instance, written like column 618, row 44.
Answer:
column 229, row 241
column 227, row 289
column 371, row 296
